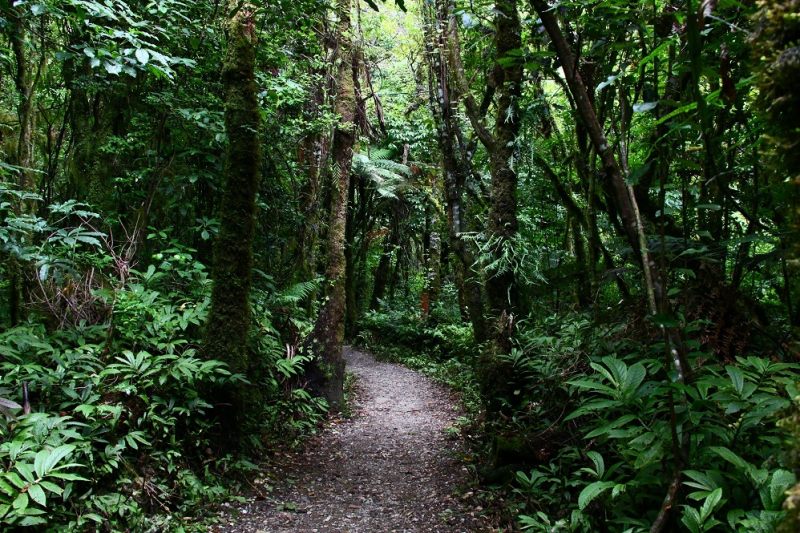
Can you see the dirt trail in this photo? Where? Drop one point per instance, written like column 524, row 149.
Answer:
column 390, row 469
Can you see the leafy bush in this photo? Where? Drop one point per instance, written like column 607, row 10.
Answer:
column 120, row 433
column 630, row 419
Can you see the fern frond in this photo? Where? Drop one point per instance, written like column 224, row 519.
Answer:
column 296, row 293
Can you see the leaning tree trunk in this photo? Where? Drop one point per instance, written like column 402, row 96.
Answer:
column 633, row 229
column 229, row 316
column 326, row 372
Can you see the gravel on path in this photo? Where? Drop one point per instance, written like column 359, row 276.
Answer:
column 392, row 468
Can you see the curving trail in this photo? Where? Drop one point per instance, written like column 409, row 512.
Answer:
column 390, row 469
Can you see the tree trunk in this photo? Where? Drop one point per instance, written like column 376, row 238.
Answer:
column 434, row 265
column 501, row 290
column 632, row 224
column 351, row 312
column 506, row 82
column 443, row 96
column 326, row 372
column 229, row 316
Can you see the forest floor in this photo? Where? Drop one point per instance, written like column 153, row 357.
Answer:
column 392, row 467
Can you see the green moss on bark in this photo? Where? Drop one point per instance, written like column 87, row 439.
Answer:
column 229, row 318
column 326, row 373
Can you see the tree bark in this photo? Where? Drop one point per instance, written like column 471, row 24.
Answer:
column 326, row 372
column 501, row 289
column 506, row 82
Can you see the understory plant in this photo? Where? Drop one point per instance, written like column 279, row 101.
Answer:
column 625, row 437
column 107, row 418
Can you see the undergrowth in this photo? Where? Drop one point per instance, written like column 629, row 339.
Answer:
column 590, row 443
column 105, row 414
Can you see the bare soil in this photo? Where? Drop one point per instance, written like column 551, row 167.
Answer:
column 392, row 467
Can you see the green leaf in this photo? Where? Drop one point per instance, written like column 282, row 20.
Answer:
column 621, row 421
column 636, row 375
column 52, row 487
column 737, row 377
column 143, row 56
column 691, row 519
column 112, row 68
column 16, row 480
column 20, row 502
column 599, row 464
column 37, row 494
column 772, row 494
column 649, row 455
column 26, row 471
column 711, row 502
column 587, row 384
column 57, row 455
column 592, row 491
column 67, row 477
column 731, row 457
column 29, row 521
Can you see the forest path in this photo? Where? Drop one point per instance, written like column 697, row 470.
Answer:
column 389, row 469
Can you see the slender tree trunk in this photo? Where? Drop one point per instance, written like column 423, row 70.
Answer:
column 228, row 323
column 326, row 373
column 390, row 244
column 349, row 245
column 26, row 79
column 634, row 231
column 443, row 96
column 434, row 265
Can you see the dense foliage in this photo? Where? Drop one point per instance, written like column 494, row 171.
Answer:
column 577, row 214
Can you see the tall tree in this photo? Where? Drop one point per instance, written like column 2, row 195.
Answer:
column 505, row 82
column 455, row 157
column 228, row 323
column 634, row 232
column 326, row 373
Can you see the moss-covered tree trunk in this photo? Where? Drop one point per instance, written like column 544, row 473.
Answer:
column 229, row 317
column 501, row 290
column 776, row 49
column 506, row 82
column 326, row 372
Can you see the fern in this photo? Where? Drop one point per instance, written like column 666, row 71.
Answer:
column 295, row 294
column 389, row 177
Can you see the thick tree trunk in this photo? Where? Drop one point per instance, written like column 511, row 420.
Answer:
column 326, row 373
column 506, row 82
column 229, row 317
